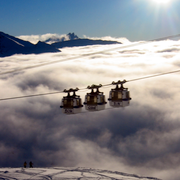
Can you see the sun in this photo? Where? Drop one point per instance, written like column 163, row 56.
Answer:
column 162, row 1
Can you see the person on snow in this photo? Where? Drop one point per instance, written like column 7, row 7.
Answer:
column 25, row 164
column 30, row 164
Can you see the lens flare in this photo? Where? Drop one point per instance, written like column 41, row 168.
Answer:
column 162, row 1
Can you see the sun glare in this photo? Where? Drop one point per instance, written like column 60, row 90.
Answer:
column 162, row 1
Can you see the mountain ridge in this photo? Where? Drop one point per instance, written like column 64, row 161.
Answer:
column 82, row 42
column 67, row 37
column 10, row 45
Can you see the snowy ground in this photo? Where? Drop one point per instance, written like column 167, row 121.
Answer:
column 66, row 173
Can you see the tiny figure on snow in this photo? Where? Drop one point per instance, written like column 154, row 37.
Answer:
column 25, row 164
column 30, row 164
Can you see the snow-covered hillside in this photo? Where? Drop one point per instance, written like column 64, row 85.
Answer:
column 59, row 173
column 10, row 45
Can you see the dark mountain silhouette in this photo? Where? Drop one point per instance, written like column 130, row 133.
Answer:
column 43, row 47
column 10, row 45
column 82, row 42
column 70, row 36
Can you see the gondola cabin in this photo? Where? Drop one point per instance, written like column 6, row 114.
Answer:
column 95, row 100
column 71, row 104
column 119, row 96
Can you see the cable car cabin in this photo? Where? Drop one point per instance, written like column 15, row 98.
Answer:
column 120, row 96
column 71, row 104
column 95, row 101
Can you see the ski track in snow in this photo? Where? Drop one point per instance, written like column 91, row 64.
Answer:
column 65, row 174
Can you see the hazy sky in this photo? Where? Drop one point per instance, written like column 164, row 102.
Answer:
column 133, row 19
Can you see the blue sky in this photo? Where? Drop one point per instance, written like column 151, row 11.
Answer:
column 133, row 19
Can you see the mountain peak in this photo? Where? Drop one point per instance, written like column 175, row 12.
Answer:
column 10, row 45
column 40, row 42
column 42, row 46
column 65, row 37
column 72, row 36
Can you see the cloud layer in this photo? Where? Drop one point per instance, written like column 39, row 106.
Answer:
column 35, row 38
column 142, row 138
column 65, row 37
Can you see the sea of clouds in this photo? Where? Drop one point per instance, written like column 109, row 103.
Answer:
column 143, row 138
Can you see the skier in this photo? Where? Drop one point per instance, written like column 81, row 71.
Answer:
column 25, row 164
column 30, row 164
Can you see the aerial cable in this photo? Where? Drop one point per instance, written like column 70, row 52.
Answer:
column 32, row 95
column 105, row 85
column 167, row 37
column 155, row 75
column 88, row 54
column 35, row 66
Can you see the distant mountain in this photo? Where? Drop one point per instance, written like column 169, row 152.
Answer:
column 42, row 47
column 67, row 37
column 82, row 42
column 10, row 45
column 71, row 40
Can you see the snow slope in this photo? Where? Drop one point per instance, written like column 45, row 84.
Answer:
column 10, row 45
column 66, row 173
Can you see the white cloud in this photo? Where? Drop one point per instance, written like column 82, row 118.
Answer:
column 35, row 38
column 109, row 38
